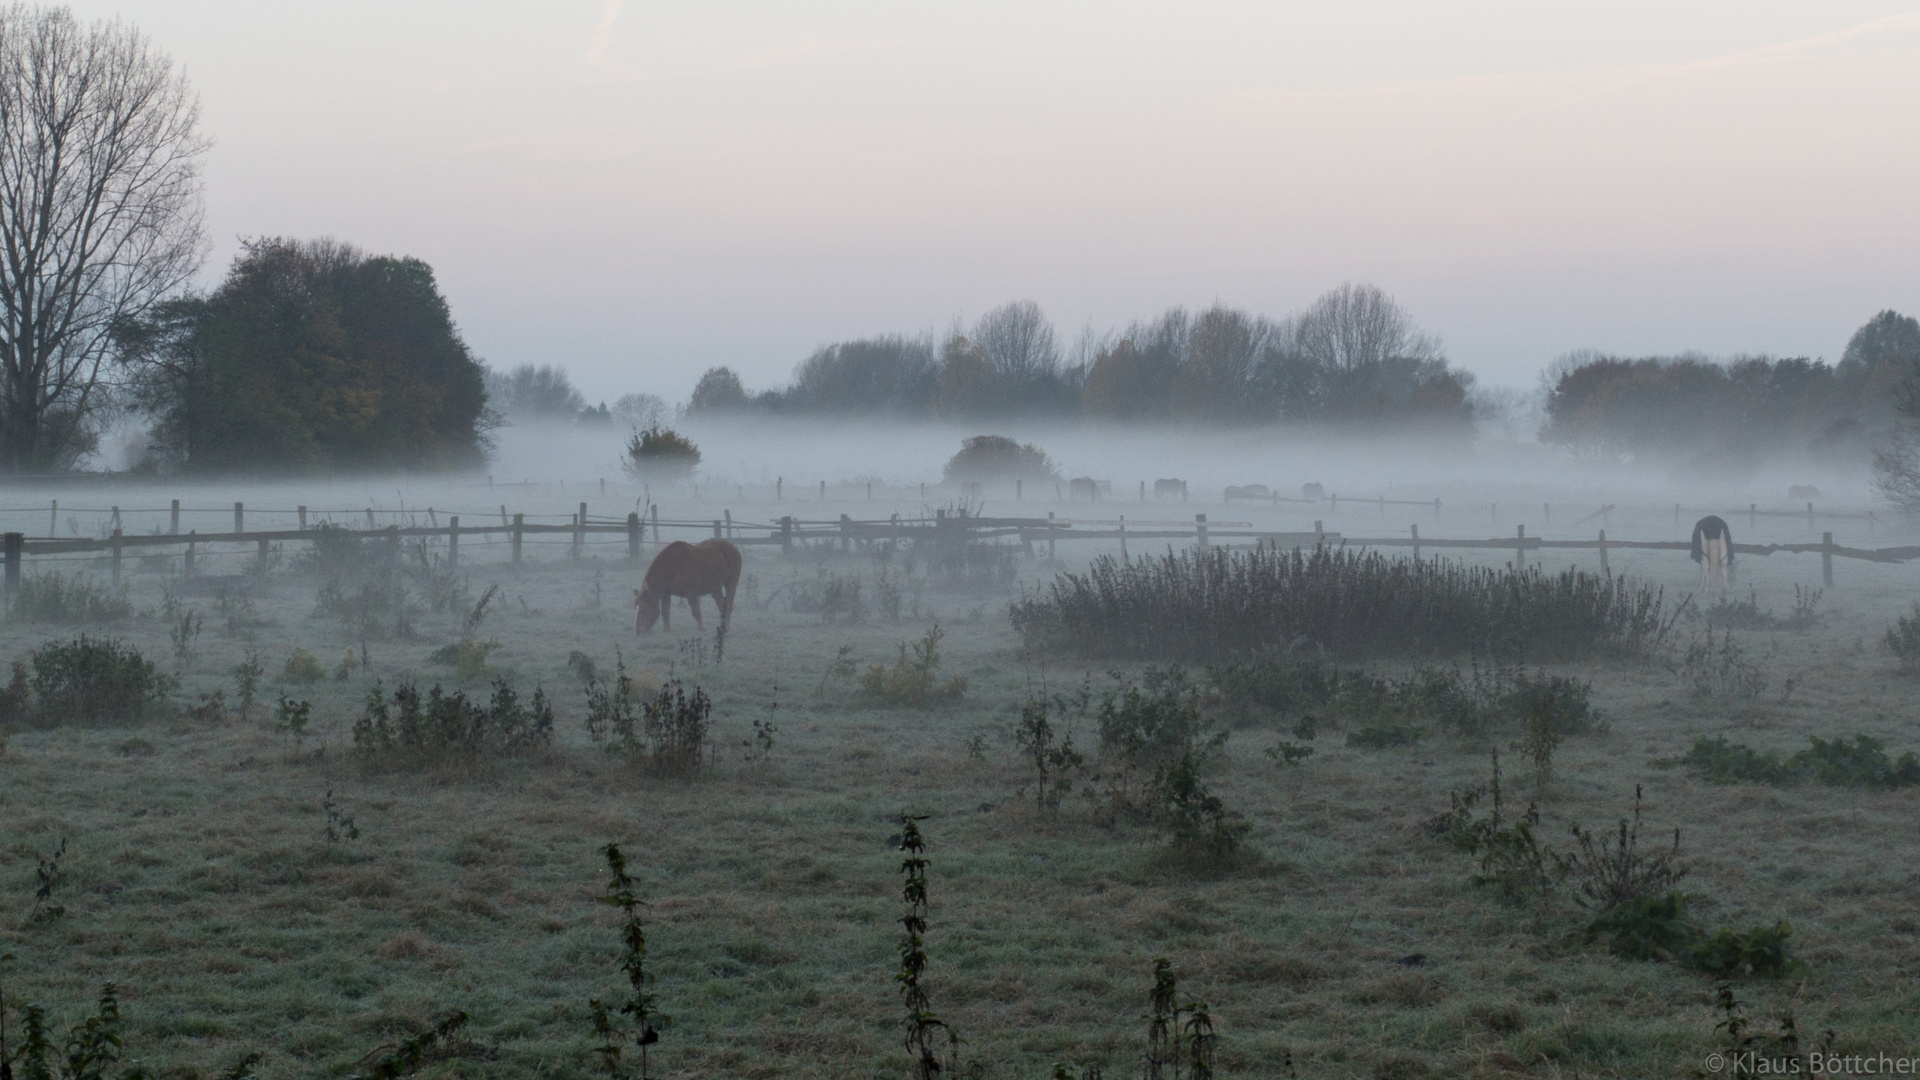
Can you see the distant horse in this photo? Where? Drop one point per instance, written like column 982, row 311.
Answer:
column 1713, row 550
column 1083, row 487
column 1170, row 489
column 1803, row 491
column 1312, row 492
column 709, row 568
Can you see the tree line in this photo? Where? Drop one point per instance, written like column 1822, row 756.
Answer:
column 1687, row 406
column 1354, row 356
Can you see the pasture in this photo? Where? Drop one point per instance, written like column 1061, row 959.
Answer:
column 211, row 870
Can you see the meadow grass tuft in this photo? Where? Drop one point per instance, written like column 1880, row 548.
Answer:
column 411, row 732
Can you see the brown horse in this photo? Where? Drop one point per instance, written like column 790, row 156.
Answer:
column 709, row 568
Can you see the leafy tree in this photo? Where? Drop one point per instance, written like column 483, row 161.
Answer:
column 872, row 375
column 310, row 355
column 718, row 390
column 996, row 457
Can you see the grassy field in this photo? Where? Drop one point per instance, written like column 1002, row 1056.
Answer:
column 200, row 877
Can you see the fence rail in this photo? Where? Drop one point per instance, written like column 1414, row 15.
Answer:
column 943, row 529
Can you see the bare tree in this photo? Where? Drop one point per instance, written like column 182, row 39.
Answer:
column 1018, row 340
column 100, row 216
column 1357, row 326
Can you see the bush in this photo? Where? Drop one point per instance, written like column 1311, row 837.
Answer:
column 1202, row 833
column 660, row 453
column 913, row 682
column 411, row 732
column 668, row 731
column 996, row 457
column 89, row 679
column 1903, row 640
column 1860, row 763
column 1157, row 720
column 302, row 668
column 1650, row 927
column 1762, row 950
column 373, row 609
column 1221, row 605
column 1606, row 874
column 52, row 598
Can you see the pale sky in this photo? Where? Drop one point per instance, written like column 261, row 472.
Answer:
column 639, row 191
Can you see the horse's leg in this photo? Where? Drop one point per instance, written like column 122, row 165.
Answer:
column 693, row 601
column 666, row 613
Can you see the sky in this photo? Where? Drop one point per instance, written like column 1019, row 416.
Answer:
column 638, row 192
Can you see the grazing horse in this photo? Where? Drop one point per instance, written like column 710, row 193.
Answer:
column 1713, row 550
column 709, row 568
column 1312, row 492
column 1170, row 489
column 1083, row 487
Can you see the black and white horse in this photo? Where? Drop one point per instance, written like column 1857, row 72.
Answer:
column 1713, row 550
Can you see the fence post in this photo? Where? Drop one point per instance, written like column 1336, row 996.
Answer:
column 1416, row 542
column 1520, row 545
column 503, row 515
column 263, row 555
column 1826, row 559
column 453, row 540
column 633, row 536
column 1676, row 515
column 1603, row 554
column 186, row 564
column 393, row 543
column 116, row 558
column 1123, row 538
column 1143, row 491
column 603, row 485
column 1753, row 516
column 1319, row 534
column 303, row 519
column 780, row 481
column 1436, row 509
column 519, row 528
column 786, row 535
column 656, row 522
column 53, row 520
column 1049, row 534
column 1547, row 509
column 846, row 533
column 15, row 544
column 1809, row 515
column 116, row 517
column 175, row 529
column 1200, row 529
column 580, row 531
column 1383, row 506
column 823, row 491
column 239, row 517
column 716, row 528
column 729, row 524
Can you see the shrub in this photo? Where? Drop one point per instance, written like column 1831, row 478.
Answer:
column 913, row 682
column 1157, row 720
column 996, row 457
column 302, row 668
column 468, row 657
column 89, row 679
column 666, row 733
column 1860, row 763
column 1385, row 736
column 408, row 731
column 1650, row 927
column 372, row 610
column 1054, row 760
column 1903, row 640
column 53, row 598
column 1761, row 950
column 660, row 453
column 1606, row 874
column 1722, row 670
column 1219, row 604
column 1202, row 834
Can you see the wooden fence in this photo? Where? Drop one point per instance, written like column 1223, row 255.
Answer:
column 942, row 530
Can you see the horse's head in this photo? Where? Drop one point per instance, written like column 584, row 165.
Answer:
column 648, row 612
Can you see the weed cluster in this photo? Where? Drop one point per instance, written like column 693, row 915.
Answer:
column 913, row 682
column 1177, row 1033
column 666, row 733
column 923, row 1027
column 1863, row 762
column 54, row 598
column 374, row 609
column 1719, row 669
column 1220, row 604
column 1903, row 640
column 831, row 596
column 88, row 680
column 1054, row 759
column 408, row 731
column 647, row 1021
column 468, row 657
column 1729, row 614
